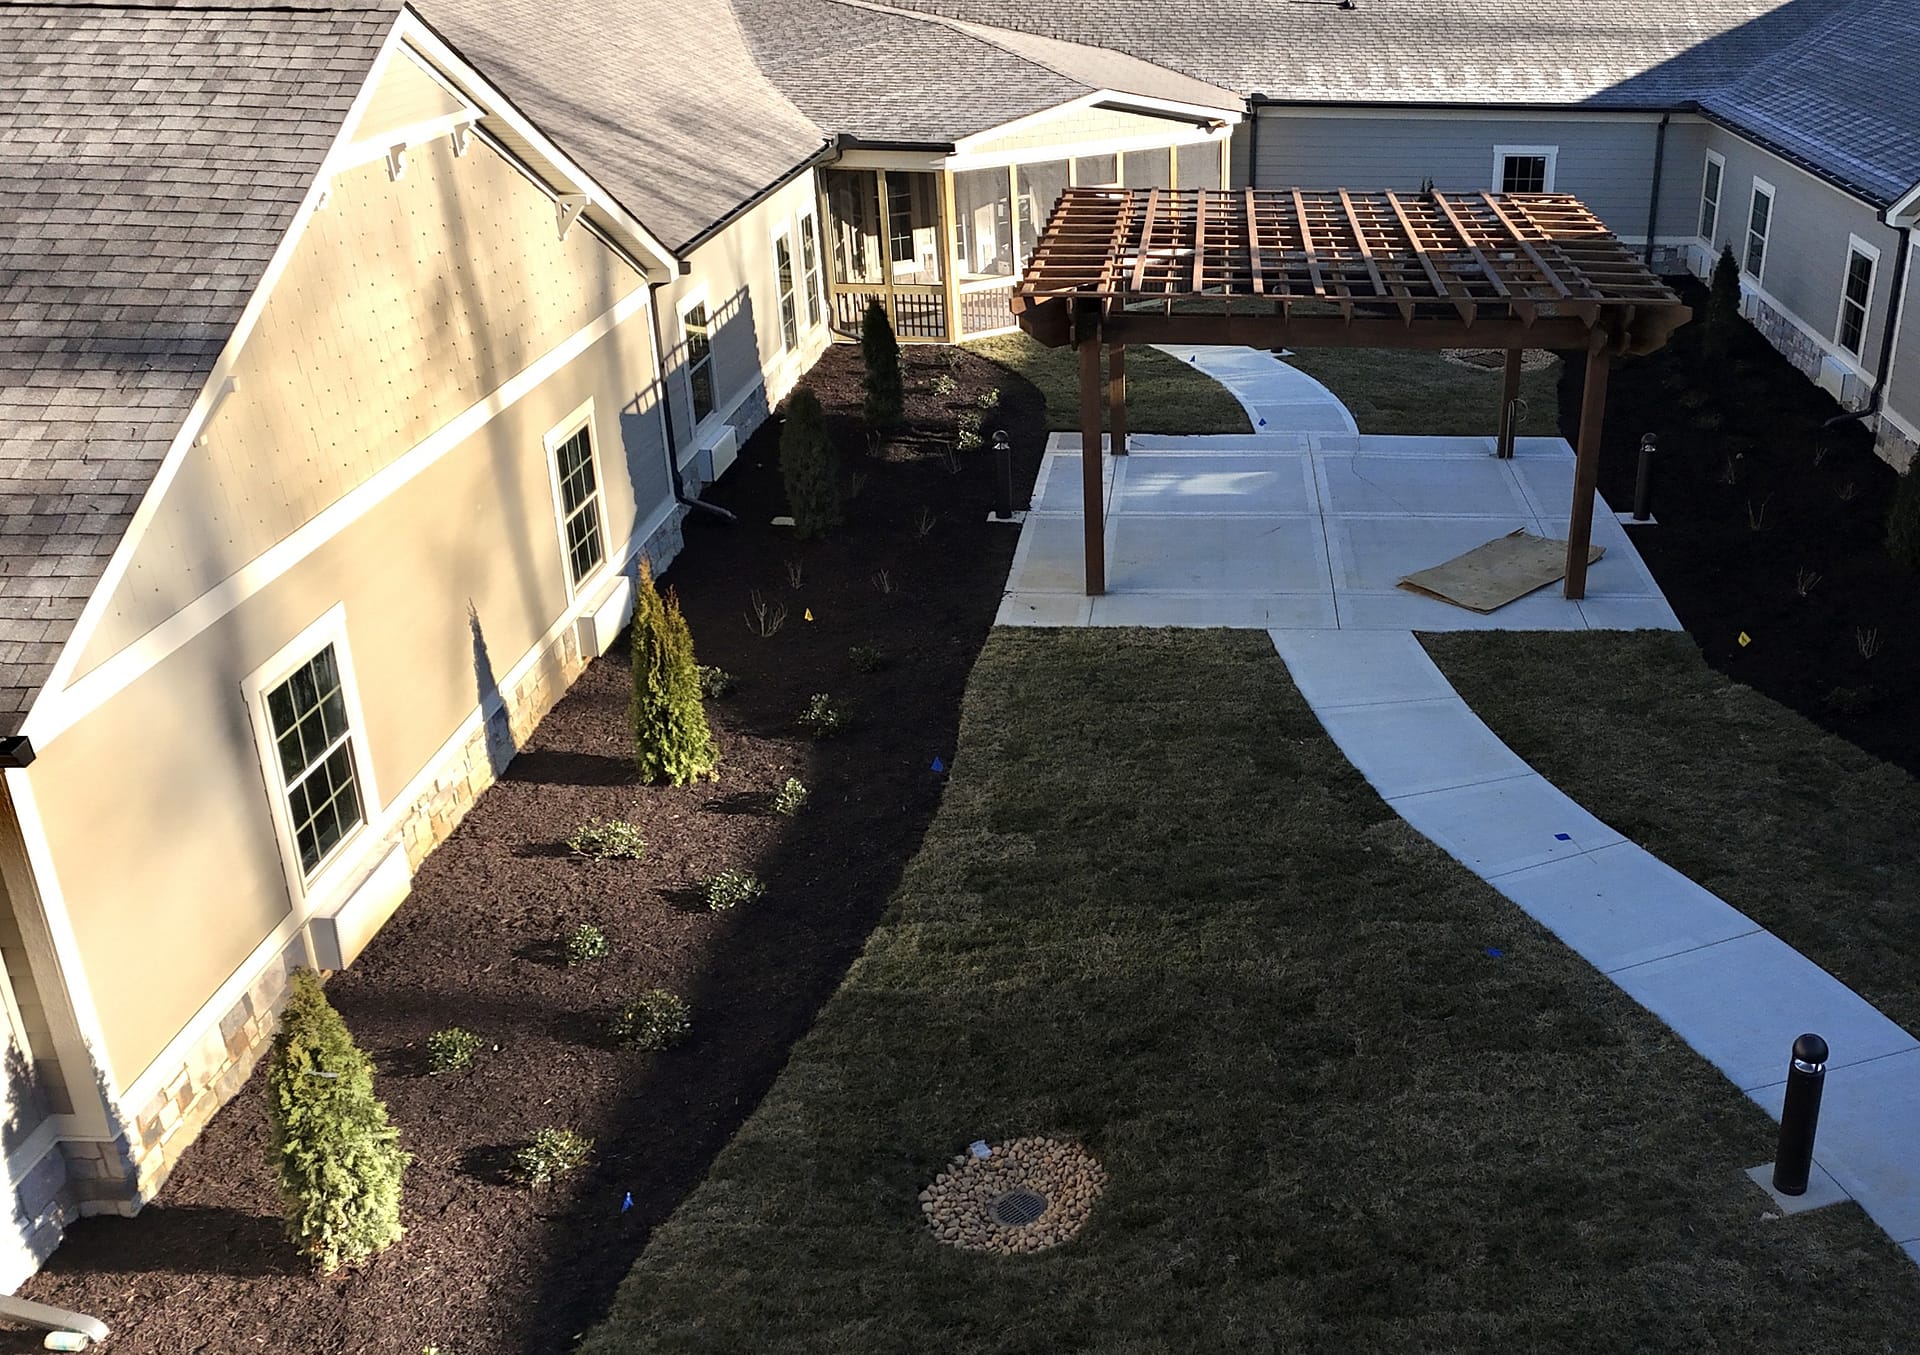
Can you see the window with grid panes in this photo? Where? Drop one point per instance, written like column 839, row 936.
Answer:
column 314, row 749
column 1855, row 296
column 1523, row 174
column 810, row 266
column 1710, row 199
column 1759, row 220
column 579, row 504
column 694, row 323
column 789, row 307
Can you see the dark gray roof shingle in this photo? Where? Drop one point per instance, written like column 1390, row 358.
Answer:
column 153, row 158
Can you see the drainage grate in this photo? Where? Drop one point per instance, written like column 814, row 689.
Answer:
column 1017, row 1208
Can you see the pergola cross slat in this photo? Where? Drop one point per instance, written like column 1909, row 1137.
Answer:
column 1339, row 268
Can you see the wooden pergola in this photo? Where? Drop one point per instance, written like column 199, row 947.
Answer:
column 1276, row 267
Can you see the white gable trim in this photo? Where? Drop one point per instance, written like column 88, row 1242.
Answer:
column 1192, row 114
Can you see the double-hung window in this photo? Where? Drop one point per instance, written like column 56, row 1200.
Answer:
column 697, row 331
column 1856, row 295
column 576, row 492
column 1711, row 179
column 1524, row 169
column 810, row 266
column 313, row 752
column 789, row 303
column 1759, row 220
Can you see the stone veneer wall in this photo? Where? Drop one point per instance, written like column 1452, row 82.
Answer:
column 1895, row 448
column 122, row 1174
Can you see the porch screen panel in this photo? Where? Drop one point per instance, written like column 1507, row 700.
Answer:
column 913, row 227
column 854, row 229
column 1040, row 186
column 1096, row 171
column 984, row 231
column 1148, row 169
column 1198, row 166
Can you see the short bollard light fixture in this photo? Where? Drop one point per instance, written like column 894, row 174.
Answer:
column 1002, row 475
column 1800, row 1115
column 1643, row 480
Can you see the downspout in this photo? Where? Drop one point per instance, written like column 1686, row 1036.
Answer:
column 1254, row 101
column 1896, row 311
column 1653, row 195
column 666, row 413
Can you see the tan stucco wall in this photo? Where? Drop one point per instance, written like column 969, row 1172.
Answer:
column 156, row 805
column 736, row 268
column 407, row 301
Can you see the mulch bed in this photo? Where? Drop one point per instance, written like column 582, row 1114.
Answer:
column 1772, row 525
column 489, row 1267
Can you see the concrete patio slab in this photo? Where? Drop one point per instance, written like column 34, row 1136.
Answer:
column 1238, row 611
column 1629, row 613
column 1741, row 1003
column 1620, row 905
column 1175, row 553
column 1273, row 483
column 1403, row 610
column 1044, row 609
column 1420, row 486
column 1372, row 554
column 1498, row 827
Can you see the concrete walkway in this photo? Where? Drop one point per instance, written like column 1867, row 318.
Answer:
column 1728, row 987
column 1278, row 397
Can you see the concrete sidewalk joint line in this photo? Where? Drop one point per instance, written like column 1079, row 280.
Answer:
column 1735, row 992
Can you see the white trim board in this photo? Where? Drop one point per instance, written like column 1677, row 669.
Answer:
column 1080, row 150
column 57, row 711
column 1871, row 252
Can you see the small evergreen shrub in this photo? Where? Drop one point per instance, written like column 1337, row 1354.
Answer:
column 671, row 740
column 731, row 888
column 822, row 719
column 550, row 1155
column 1903, row 519
column 1723, row 303
column 585, row 944
column 339, row 1161
column 886, row 398
column 656, row 1019
column 791, row 798
column 607, row 840
column 716, row 682
column 452, row 1050
column 809, row 466
column 866, row 659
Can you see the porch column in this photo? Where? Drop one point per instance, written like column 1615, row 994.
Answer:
column 1117, row 396
column 1090, row 462
column 1586, row 474
column 1509, row 392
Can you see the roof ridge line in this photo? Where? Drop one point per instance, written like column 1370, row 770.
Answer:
column 970, row 30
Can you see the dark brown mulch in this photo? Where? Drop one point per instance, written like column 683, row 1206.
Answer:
column 490, row 1268
column 1756, row 497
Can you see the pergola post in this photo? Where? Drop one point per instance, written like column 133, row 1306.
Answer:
column 1509, row 393
column 1117, row 396
column 1586, row 473
column 1091, row 481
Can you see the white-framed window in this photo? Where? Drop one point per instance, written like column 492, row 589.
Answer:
column 576, row 495
column 1856, row 294
column 810, row 267
column 1711, row 178
column 307, row 720
column 1524, row 169
column 783, row 273
column 1759, row 222
column 696, row 343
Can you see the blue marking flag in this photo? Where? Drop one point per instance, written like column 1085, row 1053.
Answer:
column 627, row 1203
column 1493, row 952
column 938, row 766
column 1562, row 837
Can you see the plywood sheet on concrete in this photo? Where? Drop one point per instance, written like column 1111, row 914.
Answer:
column 1505, row 569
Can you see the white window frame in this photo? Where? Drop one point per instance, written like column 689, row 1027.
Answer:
column 783, row 230
column 814, row 284
column 689, row 303
column 1501, row 154
column 580, row 417
column 1714, row 161
column 329, row 875
column 1855, row 245
column 1761, row 189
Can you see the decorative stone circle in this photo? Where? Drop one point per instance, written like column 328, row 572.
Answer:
column 1028, row 1195
column 1494, row 359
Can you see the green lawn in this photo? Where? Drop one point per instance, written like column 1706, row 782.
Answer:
column 1163, row 394
column 1159, row 912
column 1799, row 830
column 1413, row 391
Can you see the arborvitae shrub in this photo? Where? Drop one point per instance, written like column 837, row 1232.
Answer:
column 885, row 393
column 671, row 741
column 810, row 466
column 339, row 1161
column 1723, row 302
column 1903, row 519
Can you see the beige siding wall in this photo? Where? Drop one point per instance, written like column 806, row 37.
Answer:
column 752, row 368
column 407, row 302
column 1085, row 124
column 406, row 97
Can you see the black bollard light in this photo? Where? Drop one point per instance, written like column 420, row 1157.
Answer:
column 1643, row 482
column 1002, row 475
column 1800, row 1115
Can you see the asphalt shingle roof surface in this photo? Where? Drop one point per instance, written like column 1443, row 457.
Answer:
column 152, row 159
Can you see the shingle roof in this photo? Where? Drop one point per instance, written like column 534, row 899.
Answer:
column 153, row 159
column 661, row 102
